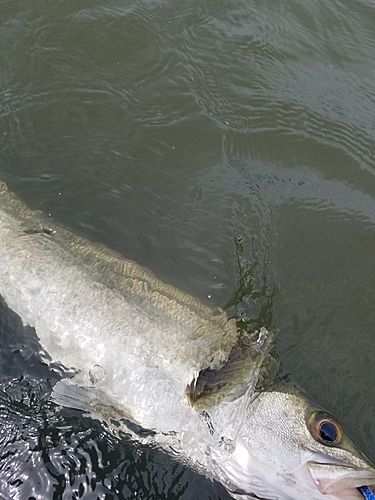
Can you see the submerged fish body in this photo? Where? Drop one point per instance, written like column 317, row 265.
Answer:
column 139, row 349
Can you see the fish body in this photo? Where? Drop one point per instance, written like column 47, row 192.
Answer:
column 139, row 349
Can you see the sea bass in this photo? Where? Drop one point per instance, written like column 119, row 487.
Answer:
column 141, row 351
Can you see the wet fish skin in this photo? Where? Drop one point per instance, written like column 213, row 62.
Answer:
column 80, row 272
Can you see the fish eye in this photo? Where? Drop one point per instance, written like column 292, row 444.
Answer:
column 324, row 429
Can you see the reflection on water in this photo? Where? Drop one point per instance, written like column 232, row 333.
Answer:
column 229, row 148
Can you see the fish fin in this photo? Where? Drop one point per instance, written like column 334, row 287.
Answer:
column 95, row 401
column 65, row 393
column 236, row 376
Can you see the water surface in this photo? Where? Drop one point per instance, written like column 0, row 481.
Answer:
column 229, row 147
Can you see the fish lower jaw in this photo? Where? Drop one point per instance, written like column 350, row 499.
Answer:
column 350, row 494
column 340, row 481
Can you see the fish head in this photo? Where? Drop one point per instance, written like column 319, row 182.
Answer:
column 288, row 449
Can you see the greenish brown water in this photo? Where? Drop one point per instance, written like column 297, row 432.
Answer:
column 229, row 147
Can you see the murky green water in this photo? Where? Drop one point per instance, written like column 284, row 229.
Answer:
column 227, row 146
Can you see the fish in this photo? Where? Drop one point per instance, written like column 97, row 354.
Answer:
column 176, row 373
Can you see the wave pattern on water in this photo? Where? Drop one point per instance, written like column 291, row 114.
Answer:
column 218, row 143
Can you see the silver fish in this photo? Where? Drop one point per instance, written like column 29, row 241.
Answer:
column 148, row 354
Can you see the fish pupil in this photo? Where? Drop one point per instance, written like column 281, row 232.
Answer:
column 328, row 432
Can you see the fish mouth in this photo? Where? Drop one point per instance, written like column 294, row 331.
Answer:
column 340, row 480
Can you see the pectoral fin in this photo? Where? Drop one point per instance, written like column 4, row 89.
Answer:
column 235, row 376
column 96, row 401
column 74, row 396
